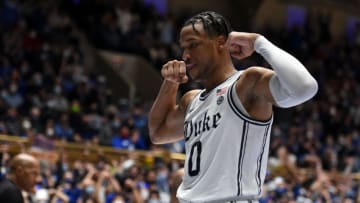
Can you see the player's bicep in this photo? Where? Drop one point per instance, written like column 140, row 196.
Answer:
column 256, row 81
column 175, row 119
column 254, row 93
column 262, row 85
column 173, row 127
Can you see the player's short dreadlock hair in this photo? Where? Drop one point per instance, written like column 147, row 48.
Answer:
column 214, row 23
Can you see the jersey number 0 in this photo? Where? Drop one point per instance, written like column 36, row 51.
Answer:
column 193, row 171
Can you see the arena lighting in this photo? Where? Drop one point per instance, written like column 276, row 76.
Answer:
column 159, row 5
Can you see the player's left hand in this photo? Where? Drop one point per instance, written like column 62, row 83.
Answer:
column 241, row 44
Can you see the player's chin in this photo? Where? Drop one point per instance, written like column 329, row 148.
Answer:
column 194, row 76
column 194, row 71
column 191, row 73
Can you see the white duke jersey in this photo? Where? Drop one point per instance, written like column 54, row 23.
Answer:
column 226, row 151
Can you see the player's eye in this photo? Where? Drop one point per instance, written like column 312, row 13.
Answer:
column 193, row 45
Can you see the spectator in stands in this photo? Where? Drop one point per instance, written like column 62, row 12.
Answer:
column 23, row 175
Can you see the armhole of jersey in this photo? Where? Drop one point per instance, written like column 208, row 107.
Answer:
column 236, row 100
column 239, row 109
column 192, row 101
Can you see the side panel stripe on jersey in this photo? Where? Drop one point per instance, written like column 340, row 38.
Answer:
column 242, row 155
column 258, row 178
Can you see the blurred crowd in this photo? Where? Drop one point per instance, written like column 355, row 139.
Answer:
column 315, row 152
column 45, row 91
column 132, row 26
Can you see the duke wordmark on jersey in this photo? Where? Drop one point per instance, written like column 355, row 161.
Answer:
column 206, row 123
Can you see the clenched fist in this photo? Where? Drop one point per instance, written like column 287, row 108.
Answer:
column 241, row 44
column 175, row 71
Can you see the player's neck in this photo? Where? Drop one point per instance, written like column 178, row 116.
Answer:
column 219, row 76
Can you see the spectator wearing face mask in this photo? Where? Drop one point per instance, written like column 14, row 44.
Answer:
column 43, row 195
column 154, row 197
column 119, row 198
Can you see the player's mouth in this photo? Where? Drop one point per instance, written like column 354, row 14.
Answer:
column 190, row 66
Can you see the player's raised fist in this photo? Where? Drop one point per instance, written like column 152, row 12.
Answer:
column 175, row 71
column 241, row 44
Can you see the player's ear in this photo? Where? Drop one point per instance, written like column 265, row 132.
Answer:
column 221, row 42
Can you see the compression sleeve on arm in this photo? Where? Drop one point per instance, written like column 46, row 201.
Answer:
column 291, row 84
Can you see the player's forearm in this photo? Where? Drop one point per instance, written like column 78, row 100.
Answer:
column 291, row 84
column 164, row 103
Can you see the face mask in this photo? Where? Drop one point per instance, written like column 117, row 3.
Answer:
column 116, row 124
column 144, row 194
column 13, row 88
column 118, row 201
column 38, row 79
column 50, row 131
column 65, row 167
column 89, row 189
column 57, row 89
column 26, row 124
column 154, row 201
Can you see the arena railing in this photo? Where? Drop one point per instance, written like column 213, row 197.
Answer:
column 56, row 150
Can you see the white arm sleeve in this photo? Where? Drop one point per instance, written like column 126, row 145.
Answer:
column 291, row 84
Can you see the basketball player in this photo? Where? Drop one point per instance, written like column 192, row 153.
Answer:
column 226, row 126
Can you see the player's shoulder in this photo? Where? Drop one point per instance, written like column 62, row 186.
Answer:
column 255, row 71
column 252, row 74
column 188, row 97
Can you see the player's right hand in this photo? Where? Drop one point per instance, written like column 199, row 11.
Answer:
column 175, row 71
column 241, row 44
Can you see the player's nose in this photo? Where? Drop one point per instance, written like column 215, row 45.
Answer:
column 185, row 56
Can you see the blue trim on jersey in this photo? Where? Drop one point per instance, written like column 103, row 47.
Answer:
column 203, row 95
column 242, row 155
column 239, row 113
column 258, row 178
